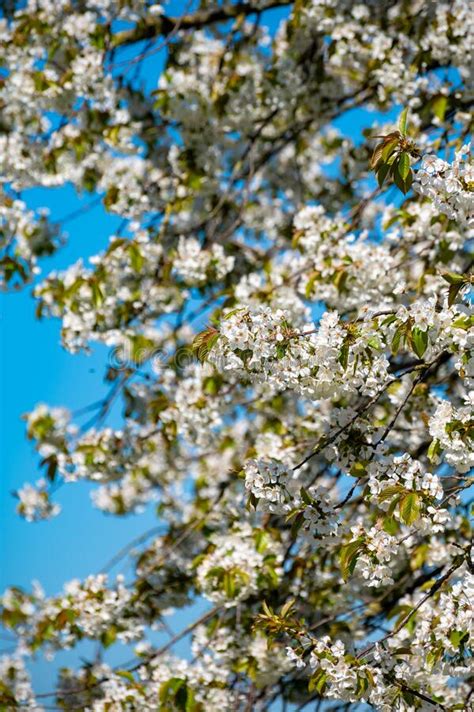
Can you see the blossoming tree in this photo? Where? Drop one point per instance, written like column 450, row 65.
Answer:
column 288, row 305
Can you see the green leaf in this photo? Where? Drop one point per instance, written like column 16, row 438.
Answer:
column 310, row 284
column 229, row 584
column 410, row 508
column 317, row 681
column 402, row 121
column 298, row 522
column 388, row 149
column 389, row 492
column 453, row 293
column 458, row 637
column 358, row 469
column 344, row 356
column 397, row 338
column 348, row 557
column 232, row 312
column 393, row 505
column 439, row 106
column 287, row 608
column 464, row 322
column 404, row 165
column 408, row 181
column 136, row 258
column 63, row 618
column 340, row 280
column 362, row 686
column 420, row 341
column 109, row 636
column 212, row 384
column 382, row 173
column 376, row 155
column 111, row 197
column 171, row 686
column 453, row 278
column 390, row 525
column 402, row 184
column 389, row 320
column 306, row 497
column 434, row 450
column 97, row 294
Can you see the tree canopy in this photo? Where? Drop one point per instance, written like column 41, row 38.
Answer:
column 288, row 306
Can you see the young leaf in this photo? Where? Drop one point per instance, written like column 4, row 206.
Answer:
column 376, row 155
column 390, row 525
column 404, row 165
column 204, row 342
column 306, row 497
column 453, row 293
column 419, row 341
column 388, row 149
column 410, row 508
column 403, row 184
column 408, row 181
column 397, row 339
column 348, row 557
column 317, row 681
column 344, row 356
column 434, row 450
column 389, row 491
column 287, row 608
column 453, row 278
column 393, row 506
column 439, row 106
column 382, row 173
column 402, row 121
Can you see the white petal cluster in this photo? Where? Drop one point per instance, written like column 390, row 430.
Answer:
column 449, row 185
column 322, row 362
column 379, row 549
column 453, row 429
column 25, row 236
column 403, row 470
column 272, row 483
column 235, row 568
column 34, row 502
column 339, row 269
column 195, row 264
column 14, row 678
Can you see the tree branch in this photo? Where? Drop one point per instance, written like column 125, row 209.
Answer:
column 164, row 26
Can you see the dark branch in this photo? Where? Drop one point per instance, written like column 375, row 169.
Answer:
column 163, row 26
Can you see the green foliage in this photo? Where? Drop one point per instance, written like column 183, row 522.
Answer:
column 348, row 556
column 391, row 157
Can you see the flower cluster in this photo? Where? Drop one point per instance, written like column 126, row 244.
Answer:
column 195, row 265
column 289, row 389
column 35, row 503
column 238, row 565
column 333, row 359
column 25, row 236
column 449, row 185
column 87, row 609
column 453, row 432
column 272, row 484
